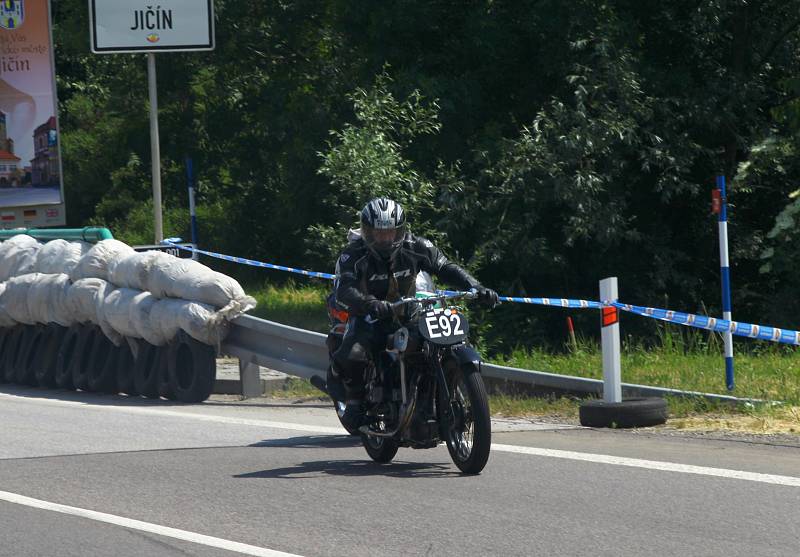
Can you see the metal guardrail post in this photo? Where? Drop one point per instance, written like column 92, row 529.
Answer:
column 250, row 377
column 612, row 384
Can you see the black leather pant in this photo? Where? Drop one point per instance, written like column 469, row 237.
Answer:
column 351, row 359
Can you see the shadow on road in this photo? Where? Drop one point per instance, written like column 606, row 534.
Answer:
column 357, row 468
column 98, row 399
column 312, row 441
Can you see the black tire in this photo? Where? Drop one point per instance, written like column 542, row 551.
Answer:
column 165, row 389
column 631, row 412
column 80, row 362
column 101, row 366
column 24, row 364
column 14, row 345
column 469, row 437
column 192, row 368
column 124, row 370
column 47, row 358
column 5, row 335
column 380, row 449
column 72, row 344
column 146, row 370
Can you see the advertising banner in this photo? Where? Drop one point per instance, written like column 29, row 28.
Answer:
column 31, row 189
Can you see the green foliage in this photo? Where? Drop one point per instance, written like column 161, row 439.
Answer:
column 545, row 144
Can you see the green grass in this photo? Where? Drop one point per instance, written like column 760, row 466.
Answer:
column 678, row 358
column 298, row 306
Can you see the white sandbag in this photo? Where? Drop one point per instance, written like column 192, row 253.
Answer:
column 103, row 292
column 201, row 323
column 18, row 256
column 164, row 320
column 15, row 298
column 132, row 271
column 141, row 306
column 82, row 299
column 190, row 280
column 60, row 256
column 117, row 311
column 97, row 261
column 5, row 318
column 47, row 300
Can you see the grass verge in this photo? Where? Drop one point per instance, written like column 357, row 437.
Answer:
column 682, row 358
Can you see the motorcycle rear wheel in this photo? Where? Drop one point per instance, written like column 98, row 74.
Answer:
column 469, row 437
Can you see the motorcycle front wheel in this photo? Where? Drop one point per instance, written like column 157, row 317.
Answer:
column 380, row 449
column 469, row 436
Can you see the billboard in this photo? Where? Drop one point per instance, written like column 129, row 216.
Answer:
column 31, row 188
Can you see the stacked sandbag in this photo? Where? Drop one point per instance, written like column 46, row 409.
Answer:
column 82, row 299
column 18, row 256
column 47, row 300
column 14, row 301
column 5, row 319
column 190, row 280
column 141, row 307
column 60, row 256
column 133, row 270
column 95, row 262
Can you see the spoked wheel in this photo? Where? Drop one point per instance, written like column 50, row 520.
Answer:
column 469, row 437
column 380, row 449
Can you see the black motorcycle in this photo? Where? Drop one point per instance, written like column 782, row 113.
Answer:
column 424, row 386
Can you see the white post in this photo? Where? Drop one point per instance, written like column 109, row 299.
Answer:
column 155, row 151
column 612, row 384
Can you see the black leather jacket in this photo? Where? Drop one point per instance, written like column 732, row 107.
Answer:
column 361, row 276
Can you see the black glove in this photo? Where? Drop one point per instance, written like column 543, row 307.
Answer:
column 487, row 296
column 379, row 309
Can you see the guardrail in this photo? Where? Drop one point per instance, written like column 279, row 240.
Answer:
column 259, row 342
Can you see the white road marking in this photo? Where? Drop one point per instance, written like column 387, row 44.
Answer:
column 652, row 465
column 791, row 481
column 184, row 535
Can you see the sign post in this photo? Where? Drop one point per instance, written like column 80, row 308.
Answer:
column 143, row 26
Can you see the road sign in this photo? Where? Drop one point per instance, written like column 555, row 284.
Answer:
column 145, row 26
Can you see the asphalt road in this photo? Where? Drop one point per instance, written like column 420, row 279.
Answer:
column 86, row 474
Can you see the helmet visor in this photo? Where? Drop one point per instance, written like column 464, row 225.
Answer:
column 383, row 241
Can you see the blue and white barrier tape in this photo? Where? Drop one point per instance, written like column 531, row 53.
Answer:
column 761, row 332
column 253, row 263
column 560, row 302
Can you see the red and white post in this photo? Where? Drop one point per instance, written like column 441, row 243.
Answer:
column 612, row 383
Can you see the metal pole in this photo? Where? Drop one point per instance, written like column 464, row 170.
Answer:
column 612, row 383
column 155, row 151
column 726, row 281
column 192, row 208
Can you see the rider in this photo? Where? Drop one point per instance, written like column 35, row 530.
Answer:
column 379, row 268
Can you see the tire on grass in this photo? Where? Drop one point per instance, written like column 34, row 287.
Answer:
column 192, row 368
column 631, row 412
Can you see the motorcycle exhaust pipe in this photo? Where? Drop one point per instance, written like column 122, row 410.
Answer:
column 409, row 412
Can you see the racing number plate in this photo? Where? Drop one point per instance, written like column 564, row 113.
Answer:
column 444, row 326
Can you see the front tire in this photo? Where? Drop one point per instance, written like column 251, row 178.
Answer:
column 380, row 449
column 469, row 437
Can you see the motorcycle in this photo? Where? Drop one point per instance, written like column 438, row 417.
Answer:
column 424, row 386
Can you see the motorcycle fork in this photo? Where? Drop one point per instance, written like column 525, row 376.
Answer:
column 441, row 382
